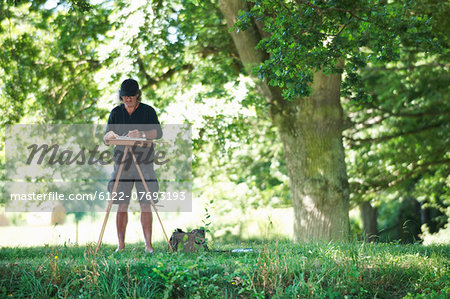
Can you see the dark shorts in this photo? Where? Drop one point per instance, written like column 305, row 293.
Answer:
column 130, row 178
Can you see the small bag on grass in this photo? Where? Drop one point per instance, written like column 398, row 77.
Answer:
column 188, row 241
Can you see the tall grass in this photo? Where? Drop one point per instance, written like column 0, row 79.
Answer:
column 276, row 269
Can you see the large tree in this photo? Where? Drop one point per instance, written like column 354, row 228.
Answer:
column 301, row 48
column 311, row 131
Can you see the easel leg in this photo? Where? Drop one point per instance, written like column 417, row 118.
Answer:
column 116, row 183
column 151, row 199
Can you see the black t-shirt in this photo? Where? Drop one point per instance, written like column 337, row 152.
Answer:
column 144, row 118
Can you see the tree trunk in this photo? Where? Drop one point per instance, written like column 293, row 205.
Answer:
column 311, row 132
column 369, row 217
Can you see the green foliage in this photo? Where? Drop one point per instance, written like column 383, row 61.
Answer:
column 398, row 141
column 48, row 63
column 334, row 36
column 275, row 269
column 394, row 60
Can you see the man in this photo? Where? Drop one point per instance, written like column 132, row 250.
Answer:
column 133, row 119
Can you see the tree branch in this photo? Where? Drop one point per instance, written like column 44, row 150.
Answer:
column 388, row 137
column 79, row 112
column 367, row 123
column 409, row 67
column 417, row 170
column 323, row 10
column 341, row 30
column 410, row 114
column 143, row 72
column 153, row 81
column 77, row 62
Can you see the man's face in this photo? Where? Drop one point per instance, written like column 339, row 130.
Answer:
column 130, row 101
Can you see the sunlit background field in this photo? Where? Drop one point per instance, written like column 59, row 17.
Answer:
column 35, row 229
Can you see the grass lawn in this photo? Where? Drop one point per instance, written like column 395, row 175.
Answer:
column 277, row 269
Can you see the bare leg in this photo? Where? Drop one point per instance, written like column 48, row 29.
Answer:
column 121, row 224
column 147, row 221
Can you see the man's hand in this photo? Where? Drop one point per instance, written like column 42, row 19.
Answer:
column 110, row 135
column 134, row 134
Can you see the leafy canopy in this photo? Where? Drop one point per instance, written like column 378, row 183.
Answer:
column 333, row 36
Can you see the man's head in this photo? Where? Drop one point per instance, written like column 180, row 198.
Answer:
column 130, row 88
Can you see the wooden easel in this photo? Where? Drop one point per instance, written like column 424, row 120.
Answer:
column 128, row 143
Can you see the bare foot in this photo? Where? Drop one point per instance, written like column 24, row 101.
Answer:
column 148, row 249
column 119, row 249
